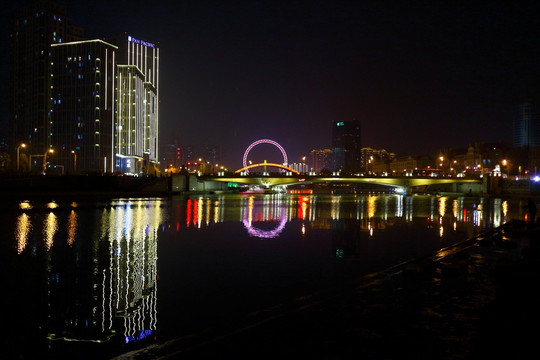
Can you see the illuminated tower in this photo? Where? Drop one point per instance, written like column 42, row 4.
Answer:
column 136, row 138
column 346, row 145
column 36, row 27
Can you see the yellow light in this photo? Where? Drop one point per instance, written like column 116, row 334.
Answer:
column 52, row 205
column 24, row 226
column 72, row 227
column 25, row 205
column 50, row 226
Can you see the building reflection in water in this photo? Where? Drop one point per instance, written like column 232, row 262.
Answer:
column 129, row 238
column 90, row 274
column 99, row 284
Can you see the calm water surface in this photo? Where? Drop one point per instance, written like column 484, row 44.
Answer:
column 89, row 275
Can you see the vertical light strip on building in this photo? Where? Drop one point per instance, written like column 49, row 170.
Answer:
column 128, row 152
column 157, row 110
column 106, row 80
column 120, row 113
column 113, row 160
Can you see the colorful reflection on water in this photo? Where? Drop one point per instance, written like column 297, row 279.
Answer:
column 88, row 272
column 96, row 285
column 371, row 211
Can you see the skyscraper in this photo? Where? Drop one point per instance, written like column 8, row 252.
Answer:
column 346, row 145
column 37, row 27
column 137, row 110
column 83, row 106
column 527, row 125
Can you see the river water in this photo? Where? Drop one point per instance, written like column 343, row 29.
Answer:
column 91, row 276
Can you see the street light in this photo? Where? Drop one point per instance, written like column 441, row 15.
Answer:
column 45, row 159
column 18, row 147
column 74, row 161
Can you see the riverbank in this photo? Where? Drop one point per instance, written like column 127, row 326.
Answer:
column 475, row 299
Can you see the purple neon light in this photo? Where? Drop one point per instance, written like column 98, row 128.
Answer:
column 265, row 141
column 265, row 234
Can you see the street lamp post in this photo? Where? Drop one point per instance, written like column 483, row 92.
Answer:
column 18, row 147
column 45, row 159
column 74, row 161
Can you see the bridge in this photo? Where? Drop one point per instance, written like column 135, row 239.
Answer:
column 289, row 176
column 404, row 182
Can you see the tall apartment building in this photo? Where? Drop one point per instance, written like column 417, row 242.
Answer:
column 320, row 159
column 36, row 27
column 83, row 105
column 346, row 145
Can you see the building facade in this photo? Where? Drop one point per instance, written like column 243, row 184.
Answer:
column 36, row 27
column 83, row 105
column 346, row 146
column 320, row 159
column 137, row 83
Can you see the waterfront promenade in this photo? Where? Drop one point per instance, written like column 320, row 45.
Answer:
column 473, row 300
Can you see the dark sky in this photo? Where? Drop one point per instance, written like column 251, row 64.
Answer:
column 419, row 75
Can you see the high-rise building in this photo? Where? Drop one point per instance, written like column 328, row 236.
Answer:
column 170, row 156
column 137, row 109
column 527, row 126
column 36, row 27
column 369, row 156
column 320, row 159
column 346, row 146
column 83, row 106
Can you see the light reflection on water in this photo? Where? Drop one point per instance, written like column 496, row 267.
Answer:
column 203, row 212
column 98, row 284
column 101, row 262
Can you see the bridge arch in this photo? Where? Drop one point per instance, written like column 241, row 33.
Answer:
column 265, row 141
column 246, row 168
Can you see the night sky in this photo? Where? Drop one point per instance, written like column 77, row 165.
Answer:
column 419, row 75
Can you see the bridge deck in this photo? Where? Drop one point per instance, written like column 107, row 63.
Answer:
column 405, row 181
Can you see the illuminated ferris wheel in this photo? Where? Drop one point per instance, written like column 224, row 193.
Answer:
column 264, row 141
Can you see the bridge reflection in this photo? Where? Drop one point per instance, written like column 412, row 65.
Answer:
column 273, row 211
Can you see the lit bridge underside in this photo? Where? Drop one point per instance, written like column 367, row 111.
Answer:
column 403, row 182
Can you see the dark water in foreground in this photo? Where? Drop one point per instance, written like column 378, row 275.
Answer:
column 105, row 276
